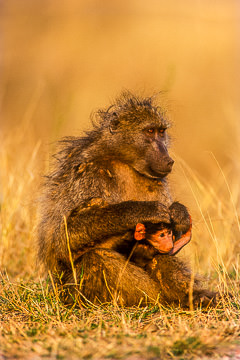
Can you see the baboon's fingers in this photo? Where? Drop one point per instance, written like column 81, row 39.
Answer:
column 180, row 217
column 190, row 227
column 179, row 244
column 184, row 240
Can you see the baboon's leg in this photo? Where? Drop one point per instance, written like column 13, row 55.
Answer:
column 104, row 275
column 176, row 282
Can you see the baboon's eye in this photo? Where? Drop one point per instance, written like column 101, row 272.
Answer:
column 162, row 131
column 150, row 131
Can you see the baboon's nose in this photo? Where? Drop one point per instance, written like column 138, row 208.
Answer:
column 170, row 162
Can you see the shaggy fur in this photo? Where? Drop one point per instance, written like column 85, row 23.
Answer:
column 99, row 188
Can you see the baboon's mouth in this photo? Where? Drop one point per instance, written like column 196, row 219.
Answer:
column 159, row 174
column 153, row 174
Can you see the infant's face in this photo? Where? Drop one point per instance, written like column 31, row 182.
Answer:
column 162, row 240
column 165, row 233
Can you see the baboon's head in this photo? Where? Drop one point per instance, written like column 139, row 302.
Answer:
column 135, row 132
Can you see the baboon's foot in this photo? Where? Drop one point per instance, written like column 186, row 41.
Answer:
column 205, row 298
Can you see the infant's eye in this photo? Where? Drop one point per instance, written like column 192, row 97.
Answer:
column 162, row 235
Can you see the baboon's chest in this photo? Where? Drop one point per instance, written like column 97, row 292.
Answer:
column 130, row 185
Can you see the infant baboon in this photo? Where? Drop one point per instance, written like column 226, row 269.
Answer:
column 159, row 238
column 101, row 186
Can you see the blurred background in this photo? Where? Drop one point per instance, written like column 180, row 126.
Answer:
column 61, row 60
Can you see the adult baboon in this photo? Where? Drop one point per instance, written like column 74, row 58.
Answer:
column 101, row 186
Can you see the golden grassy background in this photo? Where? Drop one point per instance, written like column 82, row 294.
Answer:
column 62, row 60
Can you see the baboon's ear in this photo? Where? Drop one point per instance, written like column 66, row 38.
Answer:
column 114, row 124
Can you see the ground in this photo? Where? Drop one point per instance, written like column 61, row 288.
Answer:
column 35, row 325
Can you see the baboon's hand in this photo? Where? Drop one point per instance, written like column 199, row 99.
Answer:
column 184, row 240
column 180, row 217
column 163, row 214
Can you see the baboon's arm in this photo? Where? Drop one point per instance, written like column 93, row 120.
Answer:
column 90, row 226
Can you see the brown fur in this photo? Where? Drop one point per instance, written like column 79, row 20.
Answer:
column 100, row 187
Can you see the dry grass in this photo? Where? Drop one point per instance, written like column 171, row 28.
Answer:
column 60, row 62
column 37, row 325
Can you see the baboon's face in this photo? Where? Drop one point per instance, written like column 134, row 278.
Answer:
column 149, row 149
column 158, row 162
column 140, row 139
